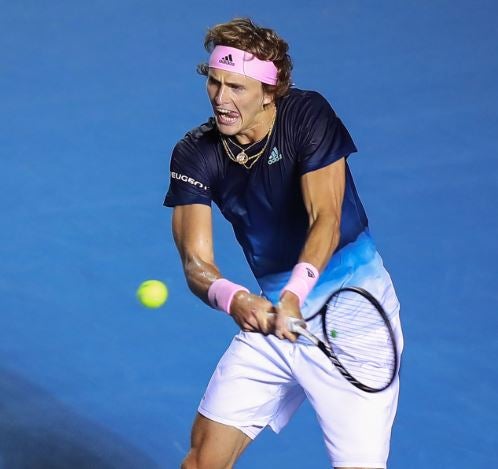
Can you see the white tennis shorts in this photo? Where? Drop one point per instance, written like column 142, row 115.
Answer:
column 261, row 381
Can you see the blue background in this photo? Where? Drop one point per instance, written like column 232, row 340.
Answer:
column 94, row 95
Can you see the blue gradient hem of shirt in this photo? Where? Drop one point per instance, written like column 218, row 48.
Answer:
column 342, row 266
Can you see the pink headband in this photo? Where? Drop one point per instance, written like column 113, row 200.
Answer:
column 244, row 63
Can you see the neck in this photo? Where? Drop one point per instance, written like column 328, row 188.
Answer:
column 259, row 130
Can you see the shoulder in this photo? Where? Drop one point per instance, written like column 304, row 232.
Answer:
column 204, row 131
column 304, row 113
column 299, row 98
column 305, row 105
column 198, row 140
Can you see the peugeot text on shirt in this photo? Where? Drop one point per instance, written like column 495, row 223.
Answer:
column 190, row 180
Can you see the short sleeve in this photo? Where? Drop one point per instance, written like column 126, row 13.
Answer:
column 323, row 138
column 189, row 180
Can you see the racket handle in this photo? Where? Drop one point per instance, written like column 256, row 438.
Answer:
column 299, row 329
column 293, row 324
column 298, row 326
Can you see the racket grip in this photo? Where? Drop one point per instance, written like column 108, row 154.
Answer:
column 293, row 324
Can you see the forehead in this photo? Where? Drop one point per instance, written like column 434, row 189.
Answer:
column 231, row 78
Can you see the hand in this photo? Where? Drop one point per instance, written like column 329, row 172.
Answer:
column 250, row 312
column 288, row 306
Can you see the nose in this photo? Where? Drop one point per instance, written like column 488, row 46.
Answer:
column 218, row 98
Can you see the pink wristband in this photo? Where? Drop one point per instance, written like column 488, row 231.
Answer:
column 221, row 292
column 302, row 280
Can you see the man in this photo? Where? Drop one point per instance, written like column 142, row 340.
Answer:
column 273, row 159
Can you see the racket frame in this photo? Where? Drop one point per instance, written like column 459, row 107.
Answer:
column 328, row 350
column 298, row 326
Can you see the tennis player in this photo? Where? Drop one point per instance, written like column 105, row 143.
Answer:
column 273, row 158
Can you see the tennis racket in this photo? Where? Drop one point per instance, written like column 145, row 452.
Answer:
column 359, row 339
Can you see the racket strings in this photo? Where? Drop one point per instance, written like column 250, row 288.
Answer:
column 359, row 337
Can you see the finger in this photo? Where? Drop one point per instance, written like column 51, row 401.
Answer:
column 281, row 330
column 275, row 319
column 268, row 320
column 252, row 324
column 264, row 326
column 271, row 317
column 246, row 323
column 290, row 336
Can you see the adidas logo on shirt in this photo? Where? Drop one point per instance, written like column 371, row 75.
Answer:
column 275, row 156
column 227, row 60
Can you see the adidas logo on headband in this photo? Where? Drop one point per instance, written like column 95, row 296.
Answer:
column 227, row 60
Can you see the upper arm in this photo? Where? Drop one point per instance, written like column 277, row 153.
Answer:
column 192, row 231
column 323, row 191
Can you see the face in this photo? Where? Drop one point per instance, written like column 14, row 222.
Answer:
column 238, row 103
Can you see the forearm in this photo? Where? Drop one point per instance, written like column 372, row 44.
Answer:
column 200, row 275
column 192, row 233
column 323, row 194
column 321, row 242
column 205, row 281
column 247, row 310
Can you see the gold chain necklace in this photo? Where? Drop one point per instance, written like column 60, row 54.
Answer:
column 242, row 149
column 242, row 157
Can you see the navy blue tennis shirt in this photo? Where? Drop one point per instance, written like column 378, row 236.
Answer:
column 264, row 204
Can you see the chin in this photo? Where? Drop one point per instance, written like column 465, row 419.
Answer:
column 229, row 130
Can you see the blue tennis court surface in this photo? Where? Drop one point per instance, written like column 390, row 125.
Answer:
column 93, row 96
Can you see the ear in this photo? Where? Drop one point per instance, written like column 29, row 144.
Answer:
column 268, row 98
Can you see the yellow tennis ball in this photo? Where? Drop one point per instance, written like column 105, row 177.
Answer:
column 152, row 293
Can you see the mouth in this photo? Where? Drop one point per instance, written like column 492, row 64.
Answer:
column 226, row 116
